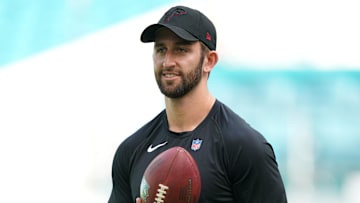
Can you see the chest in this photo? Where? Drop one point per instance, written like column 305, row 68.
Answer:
column 207, row 149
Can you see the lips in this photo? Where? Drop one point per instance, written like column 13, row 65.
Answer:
column 169, row 75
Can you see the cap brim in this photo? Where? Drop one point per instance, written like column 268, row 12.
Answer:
column 148, row 35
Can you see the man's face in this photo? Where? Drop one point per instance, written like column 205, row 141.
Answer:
column 177, row 64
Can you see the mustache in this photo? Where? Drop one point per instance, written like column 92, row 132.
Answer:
column 170, row 71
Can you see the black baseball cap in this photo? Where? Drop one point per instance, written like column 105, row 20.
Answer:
column 187, row 23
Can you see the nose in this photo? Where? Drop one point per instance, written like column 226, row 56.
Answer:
column 168, row 60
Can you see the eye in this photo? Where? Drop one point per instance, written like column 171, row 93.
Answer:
column 181, row 50
column 160, row 49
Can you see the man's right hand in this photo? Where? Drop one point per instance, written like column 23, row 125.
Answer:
column 138, row 200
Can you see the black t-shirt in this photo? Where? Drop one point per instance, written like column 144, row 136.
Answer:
column 235, row 161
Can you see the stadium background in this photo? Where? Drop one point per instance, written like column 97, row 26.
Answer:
column 75, row 81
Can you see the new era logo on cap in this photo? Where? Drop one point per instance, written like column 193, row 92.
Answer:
column 208, row 36
column 187, row 23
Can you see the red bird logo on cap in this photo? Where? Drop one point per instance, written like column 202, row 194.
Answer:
column 176, row 12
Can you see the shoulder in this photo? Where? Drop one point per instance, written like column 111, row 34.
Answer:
column 240, row 139
column 231, row 125
column 136, row 140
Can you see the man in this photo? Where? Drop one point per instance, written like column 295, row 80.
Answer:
column 235, row 161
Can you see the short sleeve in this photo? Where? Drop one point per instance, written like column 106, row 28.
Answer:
column 121, row 191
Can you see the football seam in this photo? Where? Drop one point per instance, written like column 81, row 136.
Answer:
column 161, row 194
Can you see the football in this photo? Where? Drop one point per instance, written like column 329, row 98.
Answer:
column 171, row 177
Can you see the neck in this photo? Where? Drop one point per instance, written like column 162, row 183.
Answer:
column 186, row 113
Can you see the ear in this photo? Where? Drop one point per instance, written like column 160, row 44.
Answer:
column 211, row 60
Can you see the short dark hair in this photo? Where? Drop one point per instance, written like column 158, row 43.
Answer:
column 204, row 50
